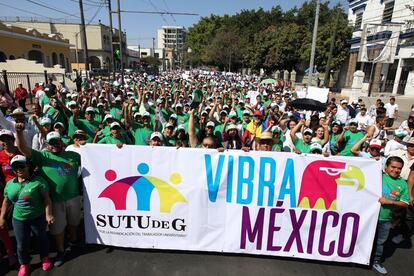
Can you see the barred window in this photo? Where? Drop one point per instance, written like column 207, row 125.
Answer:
column 388, row 10
column 358, row 21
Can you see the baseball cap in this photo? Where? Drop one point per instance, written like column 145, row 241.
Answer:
column 275, row 129
column 223, row 112
column 375, row 143
column 257, row 113
column 107, row 116
column 316, row 147
column 52, row 136
column 204, row 112
column 72, row 103
column 156, row 134
column 90, row 109
column 100, row 104
column 400, row 133
column 232, row 114
column 231, row 126
column 18, row 159
column 173, row 116
column 118, row 98
column 308, row 130
column 45, row 121
column 211, row 124
column 17, row 111
column 169, row 125
column 114, row 124
column 336, row 123
column 344, row 102
column 353, row 121
column 181, row 127
column 79, row 132
column 145, row 114
column 246, row 112
column 136, row 114
column 178, row 105
column 6, row 132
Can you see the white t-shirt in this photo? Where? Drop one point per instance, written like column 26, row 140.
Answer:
column 393, row 145
column 391, row 108
column 363, row 121
column 342, row 115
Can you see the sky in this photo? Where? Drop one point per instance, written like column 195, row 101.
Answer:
column 140, row 28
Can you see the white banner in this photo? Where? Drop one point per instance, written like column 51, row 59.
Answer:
column 265, row 203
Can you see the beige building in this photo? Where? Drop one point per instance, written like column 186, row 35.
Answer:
column 98, row 41
column 31, row 44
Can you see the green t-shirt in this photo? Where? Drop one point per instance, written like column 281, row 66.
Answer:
column 183, row 118
column 27, row 197
column 60, row 171
column 44, row 101
column 116, row 113
column 394, row 189
column 302, row 146
column 90, row 127
column 277, row 147
column 113, row 141
column 141, row 134
column 350, row 139
column 332, row 144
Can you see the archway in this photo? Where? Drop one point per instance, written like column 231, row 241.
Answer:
column 95, row 62
column 54, row 59
column 36, row 56
column 62, row 60
column 3, row 57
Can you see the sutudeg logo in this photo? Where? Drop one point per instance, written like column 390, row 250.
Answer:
column 320, row 182
column 143, row 186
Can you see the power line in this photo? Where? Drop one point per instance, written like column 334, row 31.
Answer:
column 2, row 4
column 151, row 12
column 155, row 8
column 53, row 9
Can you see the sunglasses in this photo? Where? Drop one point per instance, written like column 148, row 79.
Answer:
column 18, row 166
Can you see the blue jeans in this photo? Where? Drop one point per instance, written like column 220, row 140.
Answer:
column 383, row 231
column 22, row 230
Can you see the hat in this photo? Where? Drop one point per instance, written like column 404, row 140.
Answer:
column 169, row 125
column 19, row 83
column 18, row 159
column 74, row 95
column 336, row 123
column 225, row 106
column 272, row 105
column 178, row 105
column 52, row 136
column 79, row 132
column 275, row 129
column 90, row 109
column 181, row 127
column 107, row 116
column 146, row 114
column 257, row 113
column 17, row 111
column 344, row 102
column 118, row 98
column 45, row 121
column 308, row 130
column 6, row 132
column 246, row 112
column 353, row 121
column 266, row 135
column 136, row 114
column 223, row 112
column 211, row 124
column 204, row 112
column 72, row 103
column 315, row 147
column 173, row 116
column 411, row 141
column 231, row 126
column 375, row 143
column 232, row 114
column 114, row 124
column 156, row 134
column 400, row 133
column 58, row 124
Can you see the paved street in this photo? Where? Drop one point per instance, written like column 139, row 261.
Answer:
column 101, row 260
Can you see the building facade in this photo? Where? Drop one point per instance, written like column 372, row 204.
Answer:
column 97, row 38
column 383, row 16
column 31, row 44
column 172, row 40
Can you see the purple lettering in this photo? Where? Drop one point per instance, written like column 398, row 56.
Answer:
column 354, row 235
column 312, row 231
column 331, row 248
column 273, row 228
column 295, row 235
column 246, row 228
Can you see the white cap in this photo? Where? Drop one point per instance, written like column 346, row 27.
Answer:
column 58, row 124
column 45, row 121
column 90, row 109
column 118, row 98
column 6, row 132
column 353, row 121
column 107, row 116
column 114, row 124
column 71, row 103
column 308, row 130
column 52, row 135
column 211, row 123
column 315, row 146
column 178, row 105
column 173, row 116
column 145, row 114
column 375, row 143
column 232, row 114
column 156, row 134
column 169, row 125
column 181, row 127
column 246, row 112
column 100, row 104
column 17, row 111
column 397, row 132
column 231, row 126
column 344, row 101
column 18, row 159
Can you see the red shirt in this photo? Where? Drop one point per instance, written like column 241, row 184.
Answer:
column 6, row 169
column 20, row 93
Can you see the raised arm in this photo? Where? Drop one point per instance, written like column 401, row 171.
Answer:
column 191, row 130
column 296, row 129
column 21, row 144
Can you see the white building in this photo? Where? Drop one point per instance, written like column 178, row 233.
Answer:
column 172, row 37
column 381, row 17
column 135, row 53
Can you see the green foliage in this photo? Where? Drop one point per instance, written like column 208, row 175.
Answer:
column 269, row 39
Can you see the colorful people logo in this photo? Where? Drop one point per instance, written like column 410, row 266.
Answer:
column 143, row 186
column 320, row 180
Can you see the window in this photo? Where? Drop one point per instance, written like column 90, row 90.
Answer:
column 358, row 21
column 388, row 10
column 157, row 55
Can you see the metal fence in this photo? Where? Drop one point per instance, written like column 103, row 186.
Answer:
column 10, row 80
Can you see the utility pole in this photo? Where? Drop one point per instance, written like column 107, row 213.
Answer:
column 83, row 37
column 331, row 49
column 153, row 46
column 120, row 42
column 110, row 38
column 314, row 38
